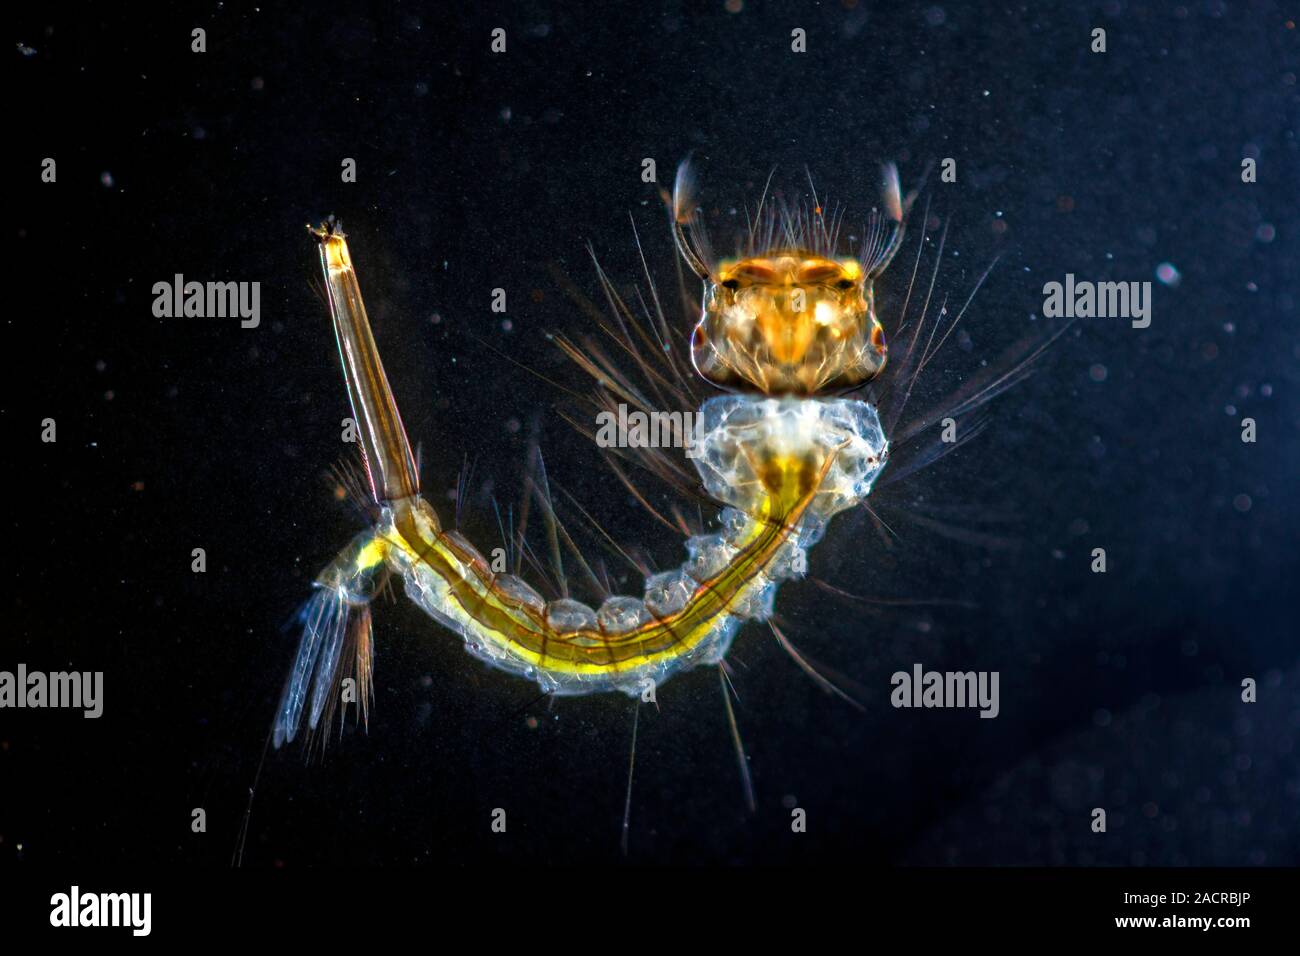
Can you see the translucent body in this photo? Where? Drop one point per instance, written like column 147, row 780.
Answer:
column 568, row 648
column 782, row 465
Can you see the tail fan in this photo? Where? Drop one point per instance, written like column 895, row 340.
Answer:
column 336, row 646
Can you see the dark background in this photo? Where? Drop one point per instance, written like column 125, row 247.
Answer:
column 479, row 170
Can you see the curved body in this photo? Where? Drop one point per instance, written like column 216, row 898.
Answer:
column 782, row 458
column 822, row 458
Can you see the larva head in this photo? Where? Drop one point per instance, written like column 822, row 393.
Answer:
column 789, row 322
column 789, row 316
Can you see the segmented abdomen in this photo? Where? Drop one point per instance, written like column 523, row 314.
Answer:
column 785, row 466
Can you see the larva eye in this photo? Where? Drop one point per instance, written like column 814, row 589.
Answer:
column 732, row 284
column 845, row 284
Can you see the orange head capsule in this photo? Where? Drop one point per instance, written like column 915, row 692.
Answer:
column 789, row 323
column 790, row 316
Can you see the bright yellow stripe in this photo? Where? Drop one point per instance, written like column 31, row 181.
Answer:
column 524, row 634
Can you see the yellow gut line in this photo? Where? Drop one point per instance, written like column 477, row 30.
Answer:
column 522, row 630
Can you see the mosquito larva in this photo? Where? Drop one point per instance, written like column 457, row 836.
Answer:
column 787, row 328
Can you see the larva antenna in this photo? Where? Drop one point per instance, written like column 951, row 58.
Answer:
column 884, row 240
column 685, row 221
